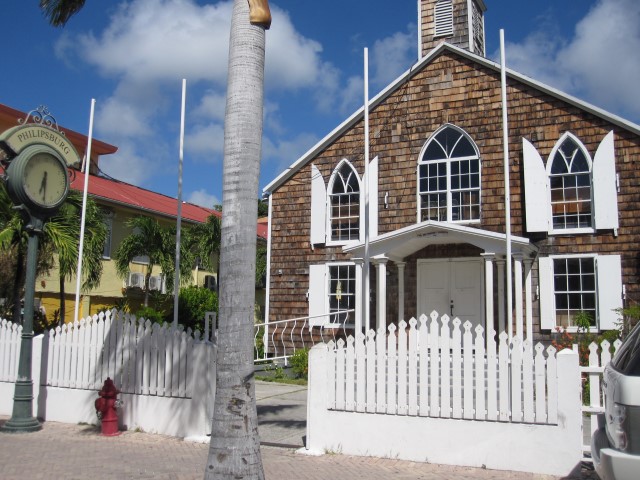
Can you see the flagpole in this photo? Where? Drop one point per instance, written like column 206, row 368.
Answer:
column 366, row 267
column 87, row 168
column 507, row 191
column 176, row 276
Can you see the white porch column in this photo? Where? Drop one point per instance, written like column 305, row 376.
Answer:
column 400, row 266
column 359, row 304
column 517, row 285
column 501, row 297
column 488, row 294
column 528, row 303
column 381, row 292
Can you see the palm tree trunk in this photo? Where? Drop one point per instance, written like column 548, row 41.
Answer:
column 234, row 451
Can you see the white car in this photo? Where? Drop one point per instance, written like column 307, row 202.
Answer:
column 615, row 446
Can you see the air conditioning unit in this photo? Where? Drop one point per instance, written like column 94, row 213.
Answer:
column 135, row 280
column 210, row 283
column 155, row 283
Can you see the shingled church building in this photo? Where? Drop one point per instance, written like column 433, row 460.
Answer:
column 431, row 232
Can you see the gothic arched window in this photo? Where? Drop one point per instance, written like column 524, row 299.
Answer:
column 449, row 178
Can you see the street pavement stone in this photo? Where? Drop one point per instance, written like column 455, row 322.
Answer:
column 68, row 451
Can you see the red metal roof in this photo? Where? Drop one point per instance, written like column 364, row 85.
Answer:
column 127, row 195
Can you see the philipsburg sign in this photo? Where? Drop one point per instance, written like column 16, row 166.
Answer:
column 18, row 138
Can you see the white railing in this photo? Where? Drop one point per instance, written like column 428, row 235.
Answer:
column 430, row 369
column 278, row 340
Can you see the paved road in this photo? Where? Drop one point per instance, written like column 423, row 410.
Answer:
column 65, row 451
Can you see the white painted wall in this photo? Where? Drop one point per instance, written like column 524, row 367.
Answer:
column 179, row 417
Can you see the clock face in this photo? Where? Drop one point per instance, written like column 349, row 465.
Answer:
column 45, row 180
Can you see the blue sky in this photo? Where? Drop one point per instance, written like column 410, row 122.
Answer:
column 131, row 57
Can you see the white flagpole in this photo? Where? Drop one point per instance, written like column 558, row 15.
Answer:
column 176, row 276
column 507, row 192
column 87, row 168
column 366, row 268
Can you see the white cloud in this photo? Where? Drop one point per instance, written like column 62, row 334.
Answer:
column 203, row 198
column 126, row 165
column 603, row 55
column 148, row 46
column 211, row 106
column 206, row 141
column 393, row 55
column 116, row 118
column 285, row 152
column 162, row 39
column 598, row 63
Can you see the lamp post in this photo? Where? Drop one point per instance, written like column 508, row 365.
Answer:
column 22, row 419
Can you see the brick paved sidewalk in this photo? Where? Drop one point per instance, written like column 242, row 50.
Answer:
column 65, row 451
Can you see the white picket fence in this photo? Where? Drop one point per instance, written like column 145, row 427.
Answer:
column 433, row 370
column 141, row 357
column 158, row 369
column 599, row 357
column 428, row 390
column 10, row 335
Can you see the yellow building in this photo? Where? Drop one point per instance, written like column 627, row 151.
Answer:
column 121, row 201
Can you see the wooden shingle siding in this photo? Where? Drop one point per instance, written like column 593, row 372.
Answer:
column 452, row 89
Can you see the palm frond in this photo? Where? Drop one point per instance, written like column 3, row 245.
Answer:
column 58, row 12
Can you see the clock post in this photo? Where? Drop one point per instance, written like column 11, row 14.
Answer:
column 37, row 181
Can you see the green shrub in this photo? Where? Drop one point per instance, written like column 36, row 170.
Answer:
column 151, row 314
column 193, row 302
column 300, row 363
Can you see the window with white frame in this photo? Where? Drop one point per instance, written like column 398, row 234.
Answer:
column 570, row 185
column 332, row 293
column 449, row 178
column 574, row 281
column 344, row 204
column 580, row 284
column 342, row 291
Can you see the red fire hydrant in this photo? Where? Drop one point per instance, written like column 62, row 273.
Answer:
column 107, row 408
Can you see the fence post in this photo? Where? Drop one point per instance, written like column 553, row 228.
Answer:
column 37, row 360
column 317, row 394
column 569, row 406
column 200, row 388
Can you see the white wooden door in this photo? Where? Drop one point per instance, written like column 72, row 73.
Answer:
column 453, row 287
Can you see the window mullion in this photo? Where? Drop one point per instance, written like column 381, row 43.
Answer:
column 449, row 195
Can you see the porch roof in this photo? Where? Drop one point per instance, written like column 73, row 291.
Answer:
column 403, row 242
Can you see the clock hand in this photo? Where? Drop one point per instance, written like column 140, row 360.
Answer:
column 43, row 186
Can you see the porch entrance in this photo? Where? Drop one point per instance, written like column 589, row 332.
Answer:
column 452, row 286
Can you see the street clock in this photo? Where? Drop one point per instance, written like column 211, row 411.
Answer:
column 38, row 179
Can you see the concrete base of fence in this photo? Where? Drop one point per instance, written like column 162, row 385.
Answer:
column 545, row 449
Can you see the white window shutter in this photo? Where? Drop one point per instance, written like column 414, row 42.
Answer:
column 373, row 198
column 547, row 300
column 317, row 294
column 535, row 189
column 605, row 196
column 609, row 270
column 318, row 207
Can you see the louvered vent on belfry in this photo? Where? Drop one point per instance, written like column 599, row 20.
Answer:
column 443, row 18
